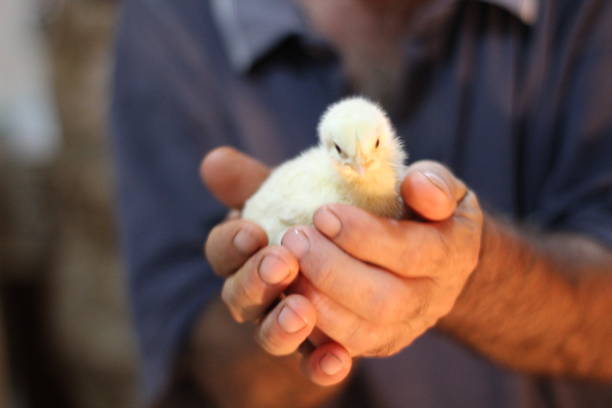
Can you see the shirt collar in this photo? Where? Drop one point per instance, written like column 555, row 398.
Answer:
column 525, row 10
column 250, row 29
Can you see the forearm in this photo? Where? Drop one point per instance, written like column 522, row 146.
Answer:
column 539, row 304
column 233, row 371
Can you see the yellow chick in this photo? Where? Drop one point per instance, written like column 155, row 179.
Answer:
column 359, row 161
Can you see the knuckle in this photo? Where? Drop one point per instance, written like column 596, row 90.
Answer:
column 323, row 274
column 239, row 298
column 284, row 255
column 270, row 342
column 245, row 294
column 321, row 262
column 228, row 298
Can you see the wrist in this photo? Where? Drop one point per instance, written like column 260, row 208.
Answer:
column 498, row 248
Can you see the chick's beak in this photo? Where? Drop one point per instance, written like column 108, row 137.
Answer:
column 361, row 166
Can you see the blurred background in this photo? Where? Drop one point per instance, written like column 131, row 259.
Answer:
column 65, row 337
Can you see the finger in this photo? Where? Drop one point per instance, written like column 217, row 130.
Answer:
column 232, row 176
column 460, row 235
column 250, row 291
column 231, row 243
column 341, row 325
column 327, row 364
column 287, row 325
column 431, row 190
column 370, row 292
column 402, row 247
column 356, row 336
column 465, row 228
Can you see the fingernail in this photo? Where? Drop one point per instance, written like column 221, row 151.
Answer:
column 437, row 181
column 273, row 270
column 327, row 222
column 330, row 364
column 297, row 242
column 245, row 242
column 290, row 321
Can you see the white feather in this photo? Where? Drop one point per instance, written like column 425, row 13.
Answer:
column 359, row 161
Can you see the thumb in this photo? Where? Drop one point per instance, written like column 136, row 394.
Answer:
column 231, row 176
column 431, row 190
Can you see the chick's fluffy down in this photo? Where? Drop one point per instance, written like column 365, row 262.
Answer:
column 297, row 188
column 292, row 194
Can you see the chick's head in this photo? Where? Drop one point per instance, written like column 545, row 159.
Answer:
column 359, row 137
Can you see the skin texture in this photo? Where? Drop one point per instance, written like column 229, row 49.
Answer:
column 539, row 303
column 489, row 296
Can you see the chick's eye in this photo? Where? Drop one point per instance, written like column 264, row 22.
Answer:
column 377, row 143
column 338, row 149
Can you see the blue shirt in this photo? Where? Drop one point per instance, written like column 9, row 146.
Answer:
column 514, row 96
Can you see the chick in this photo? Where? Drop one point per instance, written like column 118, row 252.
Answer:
column 359, row 161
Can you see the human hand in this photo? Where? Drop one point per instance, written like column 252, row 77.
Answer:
column 420, row 293
column 377, row 283
column 257, row 275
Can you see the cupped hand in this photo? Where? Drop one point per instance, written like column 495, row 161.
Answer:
column 370, row 285
column 256, row 275
column 377, row 283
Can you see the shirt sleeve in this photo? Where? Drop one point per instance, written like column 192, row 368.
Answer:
column 577, row 193
column 160, row 134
